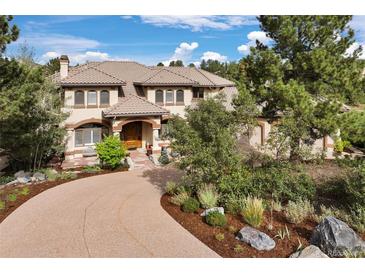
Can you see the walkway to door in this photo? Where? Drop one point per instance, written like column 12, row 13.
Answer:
column 141, row 160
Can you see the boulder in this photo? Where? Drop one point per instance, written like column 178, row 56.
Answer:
column 207, row 211
column 20, row 173
column 39, row 176
column 311, row 251
column 255, row 238
column 13, row 182
column 334, row 237
column 24, row 179
column 130, row 163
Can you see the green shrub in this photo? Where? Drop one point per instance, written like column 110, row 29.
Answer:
column 6, row 179
column 276, row 206
column 110, row 152
column 171, row 188
column 233, row 203
column 67, row 176
column 180, row 198
column 12, row 197
column 2, row 205
column 216, row 218
column 190, row 205
column 164, row 158
column 51, row 174
column 24, row 191
column 253, row 211
column 219, row 237
column 91, row 169
column 297, row 212
column 238, row 248
column 340, row 145
column 208, row 196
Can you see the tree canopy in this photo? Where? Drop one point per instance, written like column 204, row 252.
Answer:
column 8, row 33
column 304, row 75
column 177, row 63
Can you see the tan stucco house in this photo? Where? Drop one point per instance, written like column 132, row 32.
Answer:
column 130, row 100
column 134, row 102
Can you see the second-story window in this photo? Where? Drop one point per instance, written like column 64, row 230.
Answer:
column 198, row 93
column 169, row 97
column 104, row 97
column 159, row 97
column 91, row 98
column 180, row 97
column 79, row 98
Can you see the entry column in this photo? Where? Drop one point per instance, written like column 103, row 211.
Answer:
column 155, row 139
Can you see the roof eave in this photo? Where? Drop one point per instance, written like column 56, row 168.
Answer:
column 108, row 115
column 91, row 84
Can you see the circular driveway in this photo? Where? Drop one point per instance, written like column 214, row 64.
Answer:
column 112, row 215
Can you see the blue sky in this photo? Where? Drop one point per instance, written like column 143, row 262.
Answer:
column 146, row 39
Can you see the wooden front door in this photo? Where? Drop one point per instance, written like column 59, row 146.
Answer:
column 132, row 135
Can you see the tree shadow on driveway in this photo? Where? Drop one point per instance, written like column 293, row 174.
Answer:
column 158, row 177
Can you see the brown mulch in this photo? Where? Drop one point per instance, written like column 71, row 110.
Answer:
column 35, row 189
column 195, row 224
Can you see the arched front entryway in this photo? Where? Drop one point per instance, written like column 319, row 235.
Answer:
column 131, row 135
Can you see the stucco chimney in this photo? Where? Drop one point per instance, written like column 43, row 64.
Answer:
column 64, row 66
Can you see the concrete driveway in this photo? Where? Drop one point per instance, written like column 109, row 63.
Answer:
column 113, row 215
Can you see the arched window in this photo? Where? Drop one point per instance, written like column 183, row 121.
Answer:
column 79, row 98
column 180, row 97
column 91, row 98
column 104, row 97
column 159, row 97
column 169, row 97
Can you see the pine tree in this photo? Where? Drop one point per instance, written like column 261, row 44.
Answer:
column 8, row 33
column 304, row 75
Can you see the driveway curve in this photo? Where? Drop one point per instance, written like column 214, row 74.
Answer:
column 112, row 215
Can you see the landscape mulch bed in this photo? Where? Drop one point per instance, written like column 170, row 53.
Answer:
column 195, row 224
column 36, row 188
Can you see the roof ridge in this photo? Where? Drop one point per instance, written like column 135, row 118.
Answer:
column 78, row 72
column 204, row 75
column 109, row 75
column 180, row 75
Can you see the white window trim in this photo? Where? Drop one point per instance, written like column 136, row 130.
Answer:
column 91, row 130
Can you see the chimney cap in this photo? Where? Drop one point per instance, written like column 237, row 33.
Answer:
column 64, row 58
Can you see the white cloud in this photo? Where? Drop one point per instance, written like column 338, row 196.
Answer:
column 183, row 52
column 126, row 17
column 60, row 42
column 243, row 49
column 198, row 23
column 82, row 57
column 252, row 37
column 258, row 35
column 211, row 55
column 355, row 46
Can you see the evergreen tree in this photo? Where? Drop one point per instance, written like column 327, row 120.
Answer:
column 8, row 33
column 305, row 74
column 52, row 66
column 160, row 64
column 177, row 63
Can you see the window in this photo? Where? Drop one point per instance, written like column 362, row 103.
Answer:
column 79, row 97
column 169, row 97
column 91, row 98
column 180, row 97
column 198, row 93
column 159, row 97
column 104, row 97
column 87, row 136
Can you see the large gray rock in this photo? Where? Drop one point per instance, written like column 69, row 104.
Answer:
column 255, row 238
column 130, row 163
column 311, row 251
column 24, row 179
column 207, row 211
column 39, row 176
column 20, row 173
column 334, row 237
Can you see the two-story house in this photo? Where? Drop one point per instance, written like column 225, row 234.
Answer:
column 134, row 102
column 129, row 100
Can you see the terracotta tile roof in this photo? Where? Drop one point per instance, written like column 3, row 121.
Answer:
column 134, row 105
column 130, row 73
column 91, row 76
